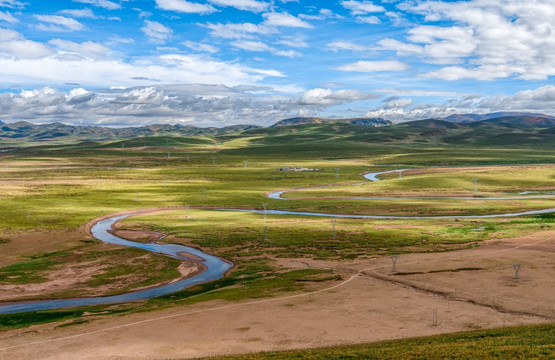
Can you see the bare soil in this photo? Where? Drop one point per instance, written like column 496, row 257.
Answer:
column 469, row 289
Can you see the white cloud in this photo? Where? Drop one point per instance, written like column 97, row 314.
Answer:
column 328, row 97
column 170, row 69
column 248, row 5
column 489, row 39
column 368, row 19
column 200, row 47
column 251, row 45
column 372, row 66
column 7, row 17
column 79, row 13
column 420, row 92
column 295, row 42
column 12, row 4
column 323, row 14
column 201, row 104
column 398, row 103
column 185, row 6
column 156, row 32
column 262, row 47
column 58, row 23
column 237, row 31
column 284, row 19
column 346, row 45
column 362, row 7
column 13, row 44
column 539, row 100
column 110, row 5
column 143, row 14
column 86, row 49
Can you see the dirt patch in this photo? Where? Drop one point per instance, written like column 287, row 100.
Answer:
column 363, row 309
column 137, row 235
column 190, row 256
column 73, row 279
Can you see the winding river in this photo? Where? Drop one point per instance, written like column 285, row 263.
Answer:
column 216, row 267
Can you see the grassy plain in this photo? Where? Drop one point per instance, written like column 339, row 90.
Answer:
column 55, row 190
column 525, row 342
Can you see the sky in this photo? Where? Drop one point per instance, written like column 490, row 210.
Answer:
column 228, row 62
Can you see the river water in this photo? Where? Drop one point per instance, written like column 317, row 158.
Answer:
column 215, row 269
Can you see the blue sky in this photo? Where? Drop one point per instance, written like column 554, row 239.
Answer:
column 225, row 62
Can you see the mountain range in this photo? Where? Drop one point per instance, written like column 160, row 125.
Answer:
column 374, row 122
column 26, row 131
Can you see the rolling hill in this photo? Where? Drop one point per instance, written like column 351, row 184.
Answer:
column 374, row 122
column 469, row 118
column 506, row 129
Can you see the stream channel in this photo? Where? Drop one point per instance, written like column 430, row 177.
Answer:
column 216, row 267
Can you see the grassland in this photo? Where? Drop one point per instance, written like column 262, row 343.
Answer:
column 56, row 189
column 530, row 342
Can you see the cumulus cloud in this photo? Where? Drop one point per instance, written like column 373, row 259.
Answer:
column 185, row 6
column 485, row 39
column 362, row 7
column 169, row 68
column 156, row 32
column 87, row 49
column 219, row 105
column 285, row 20
column 106, row 4
column 13, row 44
column 28, row 63
column 373, row 66
column 398, row 103
column 329, row 97
column 442, row 45
column 58, row 23
column 539, row 100
column 201, row 104
column 248, row 5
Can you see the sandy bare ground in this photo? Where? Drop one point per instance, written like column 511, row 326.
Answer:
column 374, row 304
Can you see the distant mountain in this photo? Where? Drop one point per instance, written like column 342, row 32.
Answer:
column 469, row 118
column 57, row 131
column 374, row 122
column 514, row 122
column 431, row 124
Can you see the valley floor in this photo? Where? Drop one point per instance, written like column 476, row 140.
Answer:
column 466, row 289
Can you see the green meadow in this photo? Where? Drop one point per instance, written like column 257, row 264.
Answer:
column 55, row 189
column 525, row 342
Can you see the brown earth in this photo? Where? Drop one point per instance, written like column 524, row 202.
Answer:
column 72, row 277
column 468, row 289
